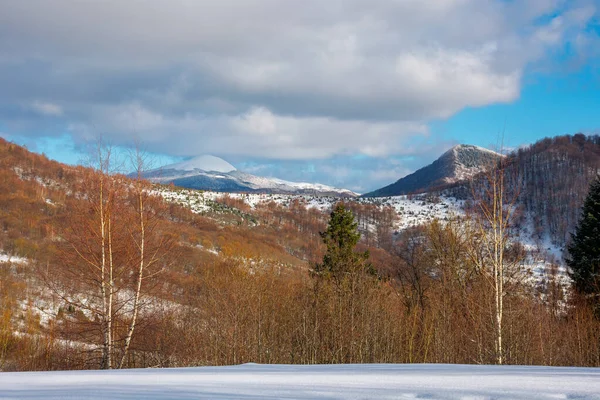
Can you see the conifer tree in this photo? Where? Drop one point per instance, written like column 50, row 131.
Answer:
column 584, row 250
column 341, row 237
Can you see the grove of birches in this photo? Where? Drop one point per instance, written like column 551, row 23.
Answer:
column 98, row 270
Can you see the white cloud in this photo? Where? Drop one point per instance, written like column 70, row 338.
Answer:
column 46, row 108
column 278, row 79
column 382, row 59
column 258, row 132
column 258, row 121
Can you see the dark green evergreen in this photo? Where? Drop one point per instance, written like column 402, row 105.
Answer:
column 341, row 237
column 584, row 249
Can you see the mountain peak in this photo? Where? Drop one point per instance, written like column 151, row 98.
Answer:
column 466, row 160
column 459, row 163
column 204, row 162
column 469, row 148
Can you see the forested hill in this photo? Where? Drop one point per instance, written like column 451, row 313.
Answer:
column 551, row 179
column 234, row 279
column 551, row 176
column 555, row 174
column 457, row 164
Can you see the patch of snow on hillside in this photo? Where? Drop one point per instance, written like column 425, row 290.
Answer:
column 303, row 382
column 418, row 210
column 193, row 199
column 4, row 258
column 544, row 260
column 305, row 186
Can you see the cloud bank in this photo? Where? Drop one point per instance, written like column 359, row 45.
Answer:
column 272, row 79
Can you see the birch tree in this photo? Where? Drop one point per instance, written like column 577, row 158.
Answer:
column 494, row 207
column 112, row 247
column 148, row 245
column 87, row 253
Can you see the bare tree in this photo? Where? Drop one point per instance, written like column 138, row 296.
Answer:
column 104, row 209
column 111, row 246
column 147, row 252
column 495, row 202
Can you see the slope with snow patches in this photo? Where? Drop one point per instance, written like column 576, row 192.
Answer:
column 543, row 262
column 303, row 382
column 412, row 210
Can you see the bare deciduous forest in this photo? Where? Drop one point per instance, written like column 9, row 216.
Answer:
column 115, row 277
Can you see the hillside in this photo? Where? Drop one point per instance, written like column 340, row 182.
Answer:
column 550, row 180
column 229, row 279
column 554, row 175
column 459, row 163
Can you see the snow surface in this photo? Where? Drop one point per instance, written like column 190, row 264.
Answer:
column 4, row 258
column 203, row 163
column 366, row 381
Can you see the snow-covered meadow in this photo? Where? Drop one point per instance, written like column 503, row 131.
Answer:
column 302, row 382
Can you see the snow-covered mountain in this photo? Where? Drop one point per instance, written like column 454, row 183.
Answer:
column 203, row 163
column 213, row 173
column 459, row 163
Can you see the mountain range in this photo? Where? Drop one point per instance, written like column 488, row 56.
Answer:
column 208, row 172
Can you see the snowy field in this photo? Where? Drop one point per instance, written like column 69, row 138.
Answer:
column 250, row 381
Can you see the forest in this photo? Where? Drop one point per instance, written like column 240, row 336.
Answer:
column 103, row 273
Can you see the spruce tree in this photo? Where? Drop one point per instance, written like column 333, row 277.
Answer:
column 584, row 249
column 341, row 237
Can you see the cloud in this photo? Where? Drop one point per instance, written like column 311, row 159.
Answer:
column 257, row 132
column 48, row 109
column 272, row 79
column 358, row 173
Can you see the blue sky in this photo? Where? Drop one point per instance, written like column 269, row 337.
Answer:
column 550, row 104
column 349, row 93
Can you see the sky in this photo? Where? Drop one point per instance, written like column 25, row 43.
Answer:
column 350, row 93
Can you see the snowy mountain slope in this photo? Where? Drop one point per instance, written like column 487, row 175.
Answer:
column 350, row 381
column 213, row 173
column 202, row 163
column 459, row 163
